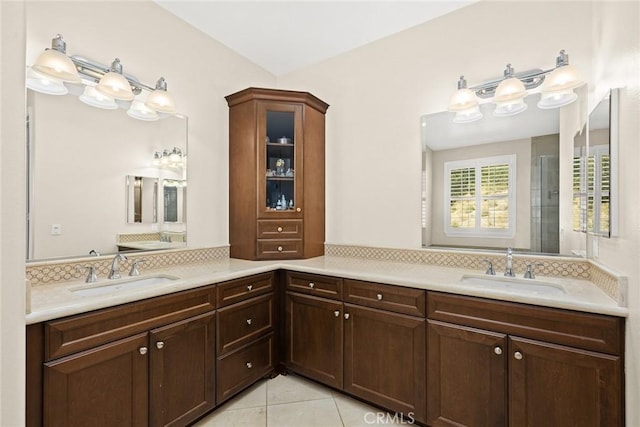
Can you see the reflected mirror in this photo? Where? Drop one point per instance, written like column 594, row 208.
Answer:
column 501, row 181
column 78, row 157
column 175, row 197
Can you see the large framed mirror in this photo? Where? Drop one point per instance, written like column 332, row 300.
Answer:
column 85, row 168
column 502, row 181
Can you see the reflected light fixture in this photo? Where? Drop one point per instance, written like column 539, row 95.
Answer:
column 44, row 84
column 91, row 96
column 138, row 110
column 172, row 158
column 508, row 92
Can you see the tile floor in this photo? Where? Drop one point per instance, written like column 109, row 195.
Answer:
column 292, row 401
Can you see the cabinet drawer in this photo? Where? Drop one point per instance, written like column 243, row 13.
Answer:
column 324, row 286
column 387, row 297
column 280, row 229
column 279, row 249
column 241, row 368
column 243, row 322
column 84, row 331
column 241, row 289
column 583, row 330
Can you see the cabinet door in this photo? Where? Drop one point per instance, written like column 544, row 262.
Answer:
column 384, row 357
column 105, row 386
column 314, row 338
column 466, row 376
column 182, row 385
column 553, row 385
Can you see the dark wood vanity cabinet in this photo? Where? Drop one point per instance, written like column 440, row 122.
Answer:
column 497, row 363
column 276, row 174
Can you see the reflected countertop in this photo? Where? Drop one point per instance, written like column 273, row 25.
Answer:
column 53, row 301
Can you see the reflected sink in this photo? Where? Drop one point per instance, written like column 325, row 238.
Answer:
column 93, row 289
column 530, row 286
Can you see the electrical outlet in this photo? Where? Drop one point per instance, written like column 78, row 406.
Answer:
column 56, row 229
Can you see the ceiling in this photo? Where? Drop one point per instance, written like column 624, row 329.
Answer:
column 283, row 36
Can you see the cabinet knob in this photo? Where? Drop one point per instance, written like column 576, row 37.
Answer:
column 336, row 313
column 346, row 315
column 279, row 229
column 379, row 297
column 248, row 321
column 497, row 351
column 311, row 285
column 249, row 287
column 517, row 355
column 143, row 350
column 249, row 365
column 160, row 345
column 298, row 209
column 280, row 248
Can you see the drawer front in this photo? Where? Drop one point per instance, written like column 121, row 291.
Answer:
column 241, row 323
column 237, row 370
column 84, row 331
column 280, row 249
column 387, row 297
column 323, row 286
column 582, row 330
column 242, row 289
column 280, row 229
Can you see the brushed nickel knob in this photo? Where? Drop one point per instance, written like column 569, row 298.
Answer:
column 279, row 229
column 311, row 285
column 143, row 350
column 346, row 315
column 517, row 355
column 160, row 345
column 249, row 365
column 249, row 287
column 298, row 210
column 280, row 248
column 497, row 351
column 248, row 321
column 336, row 313
column 379, row 297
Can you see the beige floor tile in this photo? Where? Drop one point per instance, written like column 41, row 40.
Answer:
column 251, row 398
column 310, row 413
column 291, row 388
column 247, row 417
column 357, row 414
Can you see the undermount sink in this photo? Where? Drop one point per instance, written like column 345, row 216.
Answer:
column 531, row 286
column 93, row 289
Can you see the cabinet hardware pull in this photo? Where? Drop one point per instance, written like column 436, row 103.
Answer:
column 160, row 345
column 517, row 355
column 279, row 229
column 248, row 321
column 143, row 350
column 279, row 248
column 337, row 313
column 249, row 365
column 379, row 297
column 249, row 287
column 346, row 315
column 298, row 209
column 311, row 285
column 497, row 351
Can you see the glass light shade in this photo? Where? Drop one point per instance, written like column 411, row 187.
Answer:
column 92, row 97
column 467, row 116
column 44, row 84
column 116, row 86
column 556, row 99
column 175, row 156
column 562, row 78
column 510, row 108
column 139, row 111
column 161, row 101
column 463, row 99
column 56, row 64
column 509, row 89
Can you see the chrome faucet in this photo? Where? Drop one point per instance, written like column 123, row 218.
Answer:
column 490, row 271
column 529, row 274
column 509, row 267
column 114, row 273
column 134, row 267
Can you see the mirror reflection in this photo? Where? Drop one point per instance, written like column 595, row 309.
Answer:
column 498, row 182
column 78, row 157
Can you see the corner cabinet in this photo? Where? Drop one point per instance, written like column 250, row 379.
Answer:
column 276, row 174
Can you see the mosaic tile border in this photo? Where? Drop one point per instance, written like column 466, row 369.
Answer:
column 47, row 272
column 137, row 237
column 561, row 267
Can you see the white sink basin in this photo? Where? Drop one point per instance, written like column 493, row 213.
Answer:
column 93, row 289
column 512, row 284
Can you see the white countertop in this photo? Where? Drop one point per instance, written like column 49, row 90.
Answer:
column 53, row 301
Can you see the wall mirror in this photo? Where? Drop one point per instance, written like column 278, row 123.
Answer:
column 501, row 181
column 79, row 157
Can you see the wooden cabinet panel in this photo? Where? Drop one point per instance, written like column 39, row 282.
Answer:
column 466, row 376
column 243, row 322
column 553, row 385
column 322, row 286
column 280, row 229
column 182, row 386
column 314, row 334
column 105, row 386
column 279, row 249
column 242, row 289
column 384, row 356
column 387, row 297
column 241, row 368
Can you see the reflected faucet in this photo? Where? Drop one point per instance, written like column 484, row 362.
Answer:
column 114, row 273
column 509, row 266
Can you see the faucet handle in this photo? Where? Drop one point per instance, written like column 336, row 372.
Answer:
column 529, row 274
column 134, row 267
column 490, row 270
column 91, row 275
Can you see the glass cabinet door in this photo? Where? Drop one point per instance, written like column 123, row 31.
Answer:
column 280, row 135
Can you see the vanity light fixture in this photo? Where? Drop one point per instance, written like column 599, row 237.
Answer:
column 508, row 92
column 54, row 70
column 174, row 158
